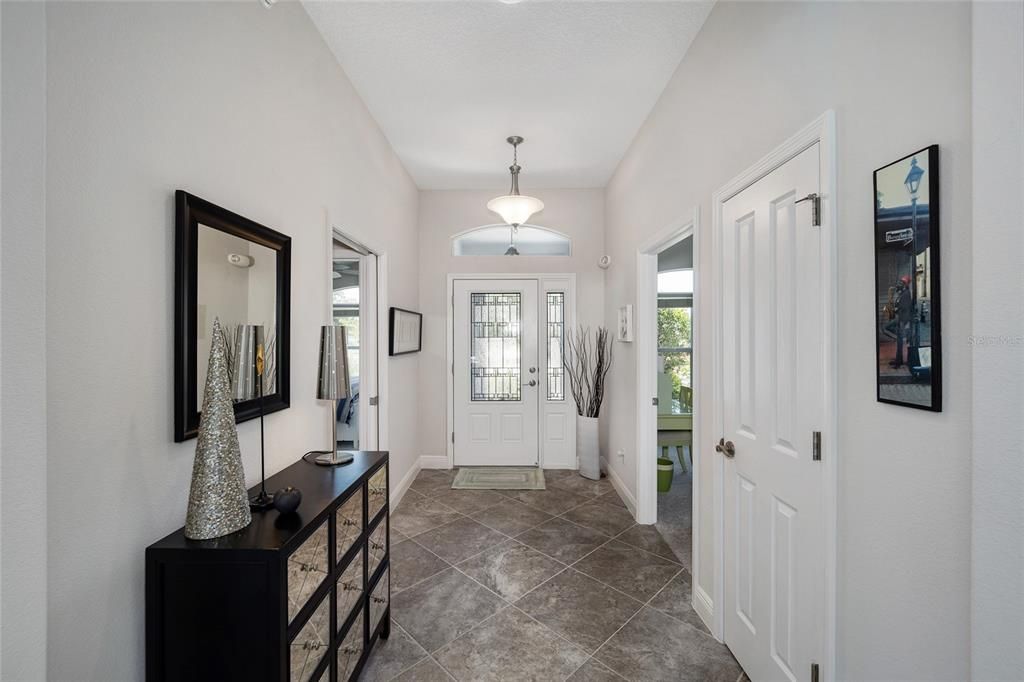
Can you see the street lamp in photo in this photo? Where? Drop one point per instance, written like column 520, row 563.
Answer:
column 913, row 184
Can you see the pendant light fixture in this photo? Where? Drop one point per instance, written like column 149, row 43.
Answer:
column 515, row 208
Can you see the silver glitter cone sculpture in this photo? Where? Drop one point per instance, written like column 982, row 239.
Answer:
column 217, row 501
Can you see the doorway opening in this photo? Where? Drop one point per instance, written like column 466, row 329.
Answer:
column 669, row 399
column 675, row 386
column 354, row 305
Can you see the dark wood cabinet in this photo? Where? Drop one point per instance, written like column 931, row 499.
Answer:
column 297, row 598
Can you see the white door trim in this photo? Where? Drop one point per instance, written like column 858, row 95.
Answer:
column 570, row 323
column 647, row 360
column 821, row 131
column 380, row 440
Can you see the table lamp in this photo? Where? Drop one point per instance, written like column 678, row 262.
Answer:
column 247, row 384
column 333, row 384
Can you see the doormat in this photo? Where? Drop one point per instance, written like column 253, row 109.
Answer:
column 499, row 478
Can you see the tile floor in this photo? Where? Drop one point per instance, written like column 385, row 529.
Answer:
column 558, row 584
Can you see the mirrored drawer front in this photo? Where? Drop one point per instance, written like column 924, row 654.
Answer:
column 307, row 569
column 379, row 600
column 350, row 587
column 378, row 491
column 378, row 545
column 349, row 522
column 350, row 649
column 310, row 645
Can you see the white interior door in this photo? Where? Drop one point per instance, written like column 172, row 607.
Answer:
column 495, row 372
column 773, row 400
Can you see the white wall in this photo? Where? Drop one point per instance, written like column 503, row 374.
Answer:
column 245, row 107
column 23, row 343
column 578, row 213
column 756, row 74
column 997, row 556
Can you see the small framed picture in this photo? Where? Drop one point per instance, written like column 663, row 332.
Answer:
column 406, row 332
column 907, row 302
column 625, row 328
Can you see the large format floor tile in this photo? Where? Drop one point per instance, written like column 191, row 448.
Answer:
column 459, row 539
column 637, row 573
column 573, row 482
column 426, row 670
column 510, row 646
column 417, row 514
column 560, row 615
column 553, row 500
column 579, row 608
column 594, row 671
column 649, row 539
column 442, row 607
column 562, row 540
column 607, row 519
column 432, row 482
column 511, row 517
column 674, row 600
column 391, row 656
column 411, row 563
column 510, row 569
column 469, row 501
column 653, row 646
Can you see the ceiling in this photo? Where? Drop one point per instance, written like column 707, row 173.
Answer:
column 449, row 81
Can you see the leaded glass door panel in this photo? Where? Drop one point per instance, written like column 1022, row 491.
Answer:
column 497, row 380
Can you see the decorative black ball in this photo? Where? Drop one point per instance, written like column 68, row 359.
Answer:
column 286, row 500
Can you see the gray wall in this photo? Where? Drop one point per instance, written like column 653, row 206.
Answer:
column 240, row 105
column 755, row 75
column 997, row 552
column 23, row 343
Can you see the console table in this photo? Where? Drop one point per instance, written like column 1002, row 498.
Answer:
column 301, row 597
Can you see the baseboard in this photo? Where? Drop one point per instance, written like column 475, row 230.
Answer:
column 399, row 491
column 621, row 489
column 704, row 607
column 434, row 462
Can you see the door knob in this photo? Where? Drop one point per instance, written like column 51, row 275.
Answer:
column 726, row 447
column 532, row 382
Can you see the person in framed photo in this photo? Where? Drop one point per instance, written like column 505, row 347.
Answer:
column 900, row 311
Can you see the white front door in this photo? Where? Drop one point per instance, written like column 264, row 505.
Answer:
column 496, row 372
column 773, row 400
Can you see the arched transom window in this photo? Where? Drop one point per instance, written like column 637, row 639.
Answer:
column 497, row 240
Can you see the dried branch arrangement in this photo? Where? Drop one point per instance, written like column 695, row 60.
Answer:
column 586, row 365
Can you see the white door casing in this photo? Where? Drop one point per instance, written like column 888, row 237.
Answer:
column 773, row 398
column 496, row 372
column 369, row 409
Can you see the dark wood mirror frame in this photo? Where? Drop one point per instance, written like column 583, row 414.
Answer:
column 191, row 211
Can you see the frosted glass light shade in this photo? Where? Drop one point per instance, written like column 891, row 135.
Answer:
column 515, row 209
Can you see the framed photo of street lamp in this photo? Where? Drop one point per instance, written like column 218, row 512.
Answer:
column 907, row 302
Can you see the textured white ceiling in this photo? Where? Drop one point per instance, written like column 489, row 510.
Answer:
column 449, row 81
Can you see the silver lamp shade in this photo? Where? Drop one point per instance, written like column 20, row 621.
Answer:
column 244, row 374
column 333, row 378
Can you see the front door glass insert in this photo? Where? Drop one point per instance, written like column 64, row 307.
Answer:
column 496, row 328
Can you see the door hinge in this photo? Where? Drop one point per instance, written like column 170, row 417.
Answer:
column 815, row 675
column 453, row 436
column 374, row 400
column 654, row 401
column 815, row 200
column 816, row 446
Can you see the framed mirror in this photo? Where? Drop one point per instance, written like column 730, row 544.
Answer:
column 230, row 268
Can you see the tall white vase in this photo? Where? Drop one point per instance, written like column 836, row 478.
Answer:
column 588, row 449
